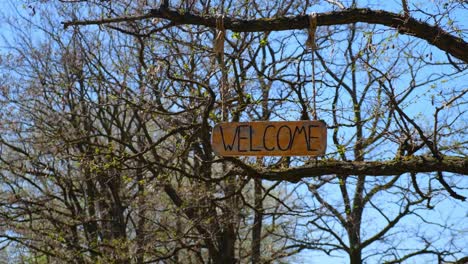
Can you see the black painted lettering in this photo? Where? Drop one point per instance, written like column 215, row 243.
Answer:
column 251, row 136
column 298, row 131
column 264, row 137
column 240, row 137
column 227, row 146
column 278, row 138
column 311, row 137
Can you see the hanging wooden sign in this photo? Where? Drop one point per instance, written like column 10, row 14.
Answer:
column 292, row 138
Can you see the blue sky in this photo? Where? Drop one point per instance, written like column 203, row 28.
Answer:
column 447, row 209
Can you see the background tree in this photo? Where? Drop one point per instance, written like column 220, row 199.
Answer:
column 105, row 151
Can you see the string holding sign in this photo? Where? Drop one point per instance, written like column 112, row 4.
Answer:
column 313, row 46
column 218, row 49
column 312, row 29
column 219, row 39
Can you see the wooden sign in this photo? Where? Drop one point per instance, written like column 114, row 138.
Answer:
column 295, row 138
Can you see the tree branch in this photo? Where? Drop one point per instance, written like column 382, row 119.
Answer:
column 416, row 164
column 435, row 35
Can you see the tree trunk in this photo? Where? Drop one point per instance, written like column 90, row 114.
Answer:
column 355, row 256
column 140, row 230
column 257, row 225
column 226, row 253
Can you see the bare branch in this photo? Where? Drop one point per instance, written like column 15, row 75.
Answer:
column 405, row 8
column 435, row 35
column 416, row 164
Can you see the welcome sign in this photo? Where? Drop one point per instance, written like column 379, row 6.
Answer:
column 291, row 138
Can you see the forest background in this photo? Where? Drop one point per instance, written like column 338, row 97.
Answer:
column 106, row 110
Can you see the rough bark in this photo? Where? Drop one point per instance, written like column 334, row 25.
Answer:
column 435, row 35
column 257, row 225
column 416, row 164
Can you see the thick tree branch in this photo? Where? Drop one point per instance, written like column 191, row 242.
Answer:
column 416, row 164
column 435, row 35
